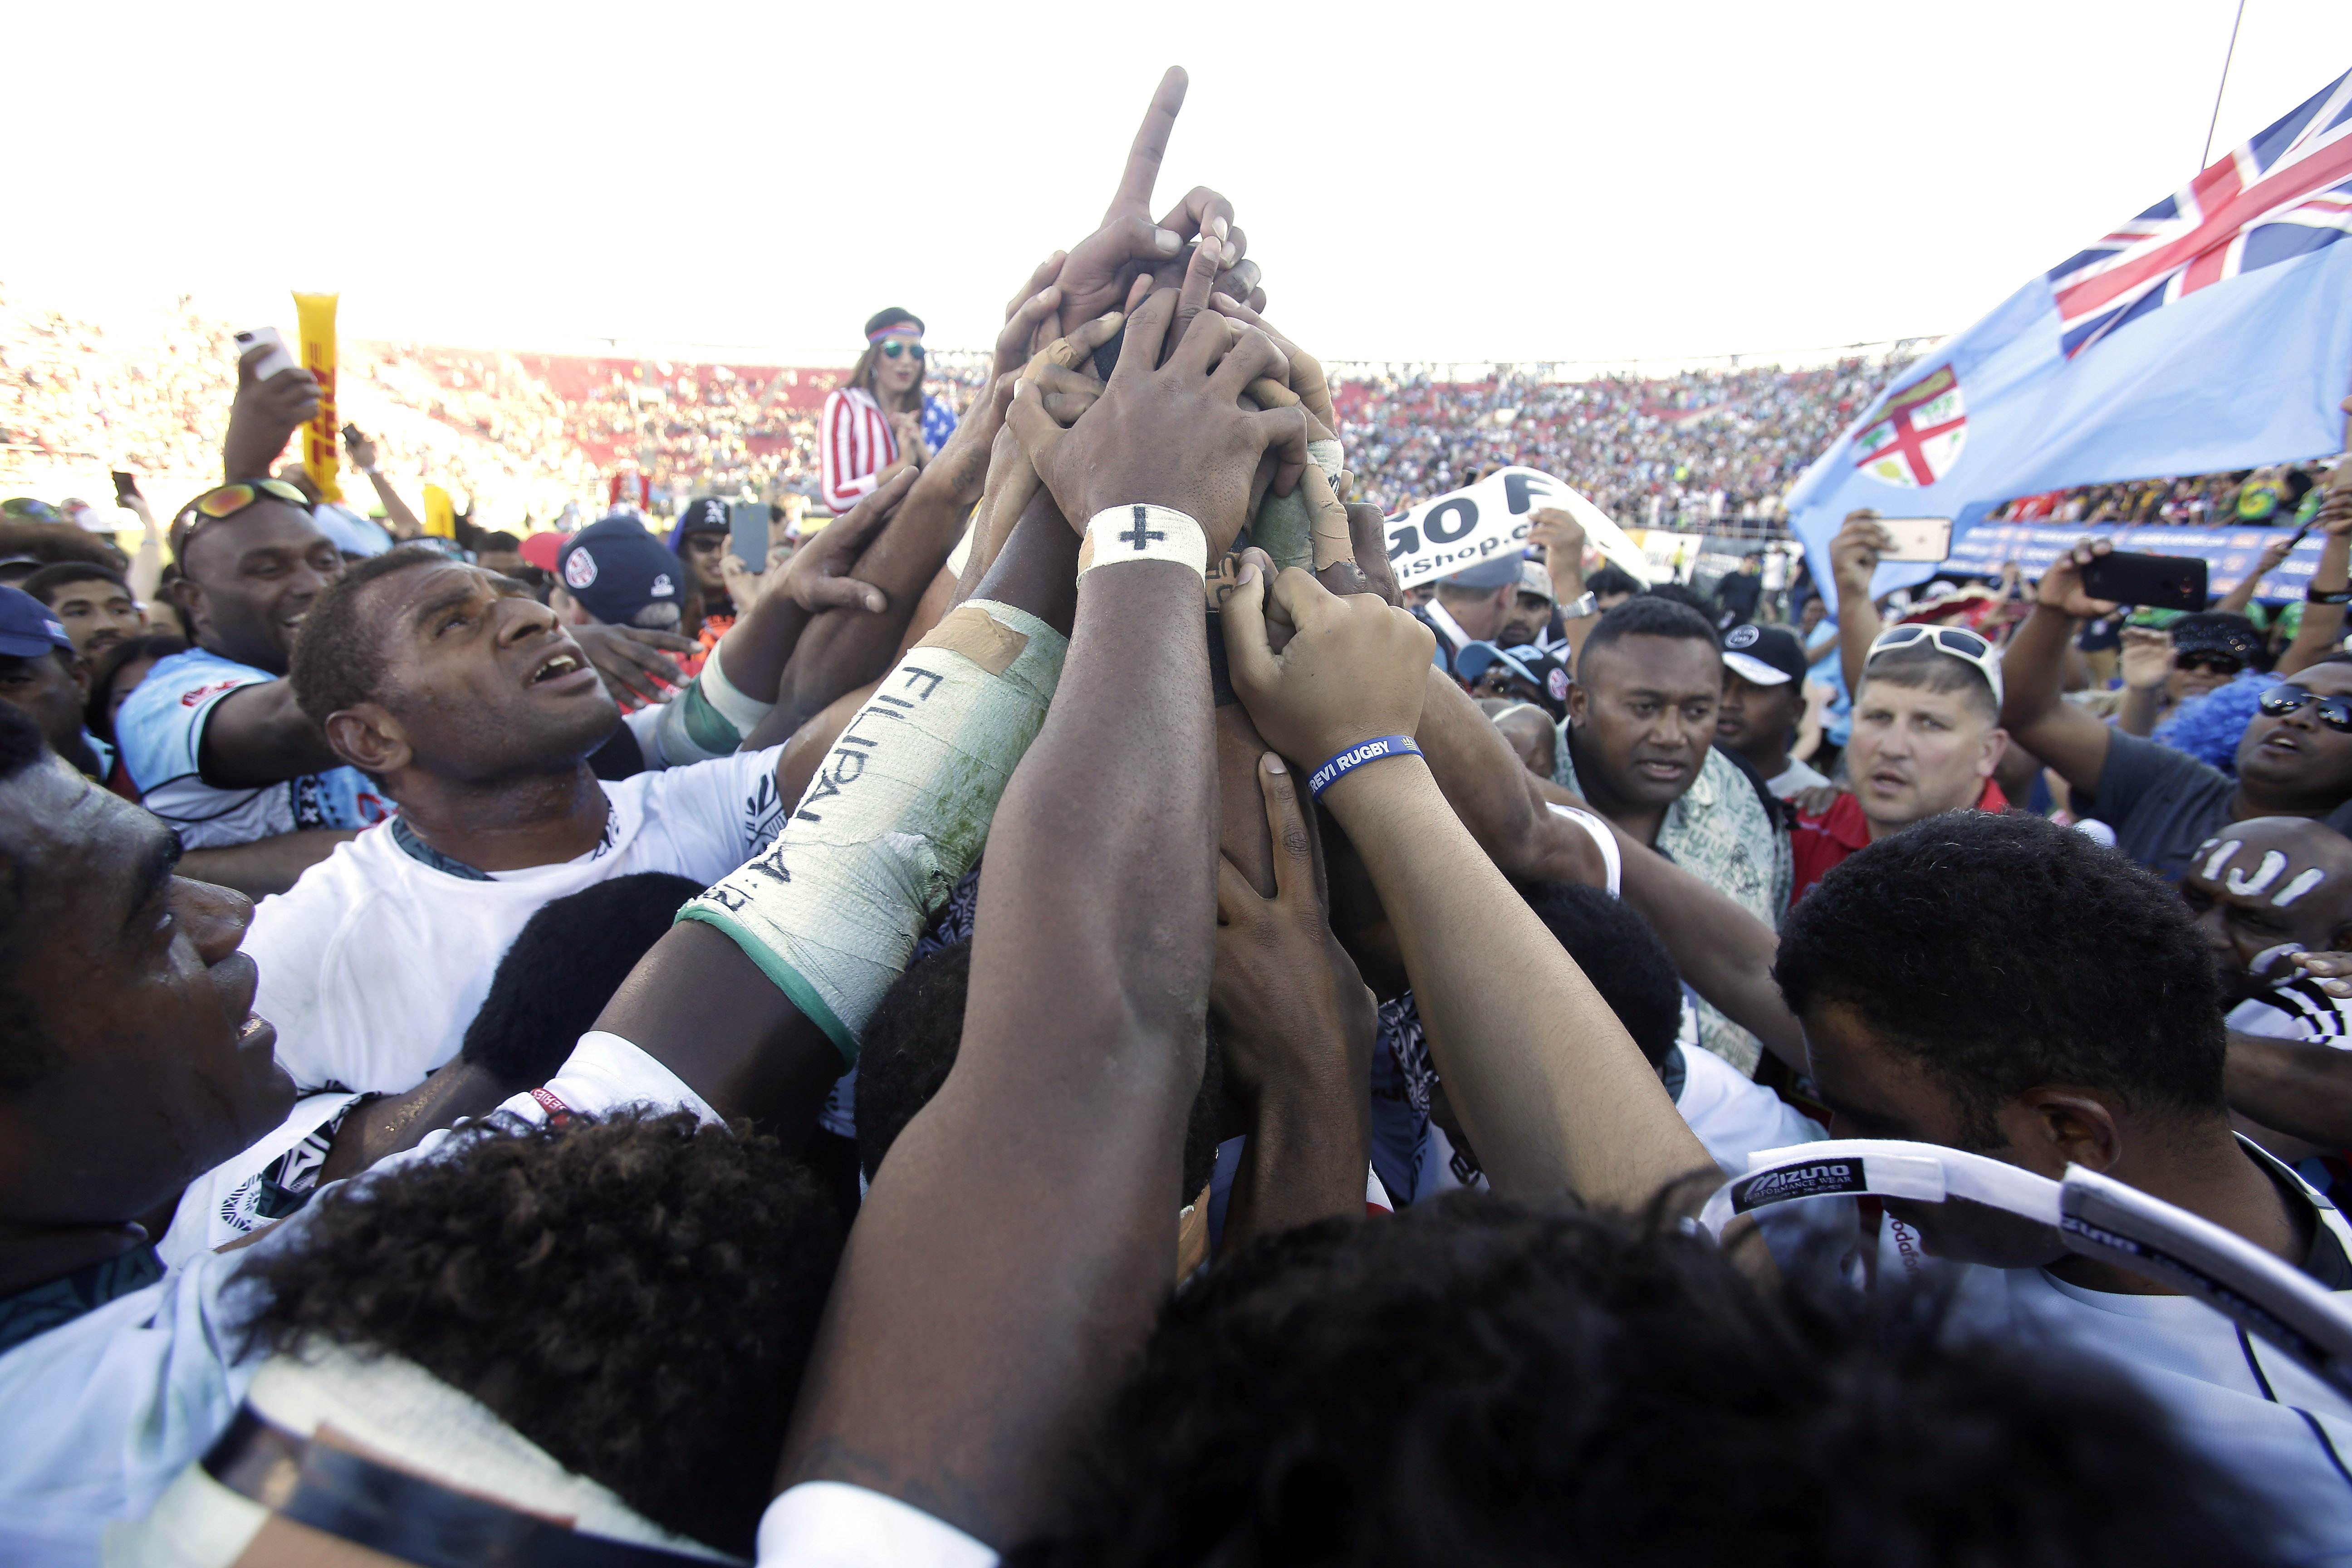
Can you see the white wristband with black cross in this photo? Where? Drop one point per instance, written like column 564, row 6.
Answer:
column 1141, row 531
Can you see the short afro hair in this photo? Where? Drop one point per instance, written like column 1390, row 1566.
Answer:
column 1650, row 614
column 1474, row 1383
column 45, row 583
column 1621, row 955
column 339, row 659
column 1611, row 580
column 564, row 965
column 1999, row 951
column 637, row 1295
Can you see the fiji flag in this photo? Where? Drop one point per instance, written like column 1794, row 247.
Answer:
column 2212, row 331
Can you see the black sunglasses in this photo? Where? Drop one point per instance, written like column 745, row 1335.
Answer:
column 2213, row 661
column 2336, row 712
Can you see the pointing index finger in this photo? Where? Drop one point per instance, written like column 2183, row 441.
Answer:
column 1150, row 146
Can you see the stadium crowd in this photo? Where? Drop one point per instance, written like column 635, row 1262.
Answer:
column 927, row 1047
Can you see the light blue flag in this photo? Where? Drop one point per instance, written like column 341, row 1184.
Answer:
column 2212, row 331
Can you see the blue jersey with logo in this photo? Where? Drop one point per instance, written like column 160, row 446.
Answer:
column 160, row 729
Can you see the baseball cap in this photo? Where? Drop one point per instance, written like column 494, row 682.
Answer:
column 617, row 571
column 703, row 514
column 1503, row 571
column 2209, row 633
column 27, row 630
column 1533, row 579
column 1543, row 672
column 1764, row 656
column 541, row 550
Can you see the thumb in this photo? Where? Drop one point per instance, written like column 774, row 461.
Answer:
column 1249, row 657
column 1035, row 429
column 843, row 593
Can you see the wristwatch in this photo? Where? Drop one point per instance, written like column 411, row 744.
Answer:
column 1586, row 604
column 2328, row 595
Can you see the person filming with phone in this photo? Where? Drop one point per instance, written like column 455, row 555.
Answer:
column 2296, row 759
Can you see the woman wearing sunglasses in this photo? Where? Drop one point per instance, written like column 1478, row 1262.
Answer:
column 880, row 421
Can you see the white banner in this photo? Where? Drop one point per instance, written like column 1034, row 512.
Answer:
column 1462, row 527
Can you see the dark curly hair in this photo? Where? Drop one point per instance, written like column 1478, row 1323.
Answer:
column 1654, row 613
column 564, row 965
column 2001, row 951
column 635, row 1295
column 1475, row 1382
column 338, row 660
column 1621, row 955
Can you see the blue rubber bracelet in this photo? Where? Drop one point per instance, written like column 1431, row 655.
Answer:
column 1356, row 756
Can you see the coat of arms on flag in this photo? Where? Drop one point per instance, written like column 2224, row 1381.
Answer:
column 1918, row 436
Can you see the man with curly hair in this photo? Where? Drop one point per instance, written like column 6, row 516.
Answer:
column 2089, row 1034
column 599, row 1321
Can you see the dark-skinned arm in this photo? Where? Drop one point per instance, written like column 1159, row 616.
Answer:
column 1853, row 560
column 258, row 735
column 1295, row 1027
column 2299, row 1087
column 994, row 1289
column 2321, row 632
column 265, row 866
column 263, row 414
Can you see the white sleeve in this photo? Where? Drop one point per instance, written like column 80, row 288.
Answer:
column 288, row 941
column 720, row 813
column 832, row 1525
column 603, row 1073
column 1610, row 854
column 644, row 724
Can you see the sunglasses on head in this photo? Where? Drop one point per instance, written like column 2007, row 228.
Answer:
column 230, row 500
column 2212, row 661
column 2336, row 712
column 1958, row 641
column 892, row 348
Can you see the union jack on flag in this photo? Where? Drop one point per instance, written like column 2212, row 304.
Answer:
column 2285, row 194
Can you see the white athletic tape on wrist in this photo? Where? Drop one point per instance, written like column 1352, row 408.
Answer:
column 711, row 719
column 894, row 818
column 1138, row 531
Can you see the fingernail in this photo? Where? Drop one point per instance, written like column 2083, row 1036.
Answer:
column 1248, row 574
column 1224, row 301
column 1218, row 223
column 1273, row 764
column 1165, row 241
column 1232, row 254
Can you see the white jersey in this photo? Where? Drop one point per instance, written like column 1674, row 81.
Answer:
column 2297, row 1009
column 98, row 1412
column 833, row 1524
column 374, row 964
column 2245, row 1405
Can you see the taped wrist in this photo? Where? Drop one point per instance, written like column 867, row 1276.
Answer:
column 896, row 815
column 711, row 719
column 1285, row 526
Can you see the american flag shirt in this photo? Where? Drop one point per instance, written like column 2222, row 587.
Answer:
column 856, row 443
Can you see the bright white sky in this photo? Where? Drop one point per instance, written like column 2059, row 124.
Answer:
column 1463, row 180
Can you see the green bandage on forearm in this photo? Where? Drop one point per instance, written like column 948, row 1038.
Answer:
column 711, row 719
column 894, row 818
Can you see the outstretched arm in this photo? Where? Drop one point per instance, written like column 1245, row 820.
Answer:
column 1853, row 560
column 2322, row 631
column 994, row 1287
column 2036, row 717
column 1547, row 1081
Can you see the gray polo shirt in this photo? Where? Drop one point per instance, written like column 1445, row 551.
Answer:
column 2163, row 804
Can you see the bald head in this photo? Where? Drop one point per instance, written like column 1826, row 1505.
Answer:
column 2266, row 887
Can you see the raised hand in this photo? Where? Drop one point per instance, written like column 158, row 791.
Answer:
column 1356, row 667
column 1855, row 555
column 1306, row 378
column 2061, row 587
column 1096, row 276
column 2146, row 657
column 635, row 662
column 264, row 414
column 817, row 576
column 961, row 466
column 1560, row 535
column 1172, row 435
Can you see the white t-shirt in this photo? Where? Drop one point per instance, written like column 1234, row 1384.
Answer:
column 99, row 1414
column 2248, row 1407
column 833, row 1524
column 374, row 964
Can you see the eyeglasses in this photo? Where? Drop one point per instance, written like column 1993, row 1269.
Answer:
column 894, row 347
column 2212, row 661
column 1958, row 641
column 2336, row 712
column 227, row 501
